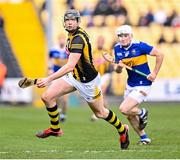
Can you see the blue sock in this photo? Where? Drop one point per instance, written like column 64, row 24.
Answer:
column 144, row 136
column 141, row 114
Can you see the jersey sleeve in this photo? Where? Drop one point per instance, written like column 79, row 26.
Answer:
column 145, row 48
column 77, row 45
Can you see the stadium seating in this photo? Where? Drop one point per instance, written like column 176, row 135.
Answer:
column 6, row 53
column 27, row 38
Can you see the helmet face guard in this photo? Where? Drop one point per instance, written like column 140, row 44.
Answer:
column 124, row 29
column 72, row 14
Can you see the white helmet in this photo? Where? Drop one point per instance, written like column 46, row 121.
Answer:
column 124, row 29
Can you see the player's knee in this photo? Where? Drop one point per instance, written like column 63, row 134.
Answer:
column 101, row 114
column 45, row 98
column 123, row 110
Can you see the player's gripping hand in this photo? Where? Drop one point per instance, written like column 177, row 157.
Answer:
column 152, row 76
column 118, row 67
column 42, row 82
column 120, row 64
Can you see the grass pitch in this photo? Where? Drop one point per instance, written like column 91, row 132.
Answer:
column 86, row 139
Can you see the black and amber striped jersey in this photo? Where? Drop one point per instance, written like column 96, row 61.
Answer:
column 78, row 42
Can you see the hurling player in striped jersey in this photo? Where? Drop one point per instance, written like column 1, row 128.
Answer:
column 134, row 54
column 78, row 74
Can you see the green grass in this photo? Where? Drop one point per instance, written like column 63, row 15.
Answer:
column 85, row 139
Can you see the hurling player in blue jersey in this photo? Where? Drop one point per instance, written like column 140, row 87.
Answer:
column 57, row 58
column 134, row 54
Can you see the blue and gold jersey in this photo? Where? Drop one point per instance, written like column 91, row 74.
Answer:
column 135, row 56
column 79, row 42
column 58, row 57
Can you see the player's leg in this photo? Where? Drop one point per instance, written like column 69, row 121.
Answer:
column 91, row 92
column 100, row 111
column 134, row 121
column 58, row 88
column 143, row 118
column 130, row 108
column 133, row 97
column 105, row 81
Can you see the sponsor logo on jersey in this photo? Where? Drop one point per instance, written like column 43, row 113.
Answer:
column 133, row 52
column 119, row 54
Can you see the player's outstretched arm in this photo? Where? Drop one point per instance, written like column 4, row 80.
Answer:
column 159, row 59
column 68, row 67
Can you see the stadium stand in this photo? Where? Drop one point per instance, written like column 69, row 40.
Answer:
column 27, row 38
column 7, row 55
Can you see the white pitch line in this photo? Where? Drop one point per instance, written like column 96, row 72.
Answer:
column 90, row 151
column 48, row 151
column 69, row 151
column 98, row 151
column 3, row 152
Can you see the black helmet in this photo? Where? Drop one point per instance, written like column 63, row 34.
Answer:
column 72, row 14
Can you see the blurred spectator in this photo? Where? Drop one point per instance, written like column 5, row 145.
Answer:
column 102, row 8
column 1, row 20
column 142, row 20
column 90, row 22
column 109, row 7
column 120, row 11
column 70, row 4
column 3, row 72
column 170, row 18
column 87, row 11
column 112, row 7
column 160, row 16
column 176, row 21
column 118, row 8
column 146, row 19
column 149, row 16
